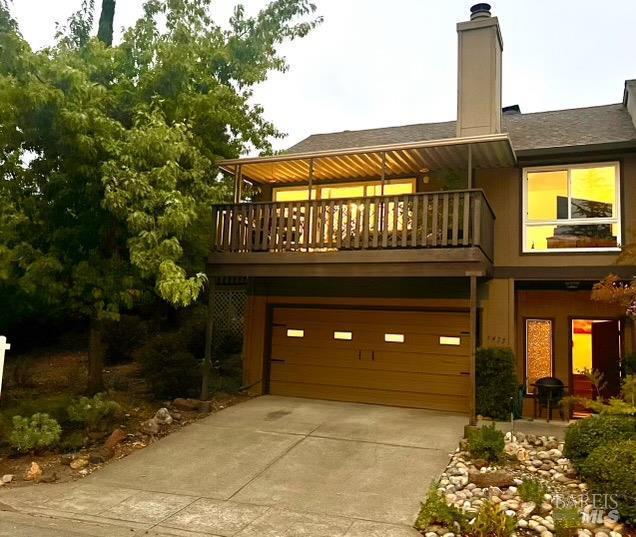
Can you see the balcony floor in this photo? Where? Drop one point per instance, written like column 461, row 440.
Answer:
column 424, row 262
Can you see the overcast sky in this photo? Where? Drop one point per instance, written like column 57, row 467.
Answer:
column 376, row 63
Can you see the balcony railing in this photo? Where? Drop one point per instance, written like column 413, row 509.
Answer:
column 450, row 219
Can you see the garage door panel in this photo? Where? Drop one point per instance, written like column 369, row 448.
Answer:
column 398, row 361
column 321, row 336
column 450, row 403
column 415, row 369
column 370, row 378
column 418, row 321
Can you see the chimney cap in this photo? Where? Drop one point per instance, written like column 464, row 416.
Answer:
column 480, row 11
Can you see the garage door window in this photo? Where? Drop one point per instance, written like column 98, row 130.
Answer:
column 294, row 332
column 449, row 340
column 346, row 336
column 394, row 338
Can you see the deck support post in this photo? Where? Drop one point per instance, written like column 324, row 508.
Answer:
column 473, row 350
column 238, row 184
column 383, row 176
column 308, row 226
column 469, row 171
column 209, row 332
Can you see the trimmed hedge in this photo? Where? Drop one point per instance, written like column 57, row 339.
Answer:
column 496, row 379
column 610, row 469
column 584, row 436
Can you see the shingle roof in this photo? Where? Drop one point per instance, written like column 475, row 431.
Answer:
column 541, row 130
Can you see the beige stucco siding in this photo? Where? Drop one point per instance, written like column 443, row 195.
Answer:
column 503, row 190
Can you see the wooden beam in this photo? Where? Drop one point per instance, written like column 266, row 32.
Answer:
column 470, row 167
column 209, row 331
column 472, row 403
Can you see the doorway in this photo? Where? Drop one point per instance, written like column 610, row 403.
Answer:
column 596, row 347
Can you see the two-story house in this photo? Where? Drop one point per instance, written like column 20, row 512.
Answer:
column 377, row 261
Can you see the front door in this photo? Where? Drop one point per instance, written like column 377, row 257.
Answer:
column 596, row 347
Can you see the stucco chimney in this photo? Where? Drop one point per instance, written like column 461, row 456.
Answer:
column 479, row 73
column 629, row 99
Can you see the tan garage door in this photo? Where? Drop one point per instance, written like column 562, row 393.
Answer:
column 404, row 358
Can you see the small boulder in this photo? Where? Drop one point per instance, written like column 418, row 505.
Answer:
column 526, row 509
column 33, row 473
column 480, row 463
column 150, row 426
column 115, row 438
column 189, row 405
column 491, row 479
column 100, row 456
column 67, row 458
column 48, row 477
column 163, row 417
column 79, row 463
column 7, row 478
column 205, row 406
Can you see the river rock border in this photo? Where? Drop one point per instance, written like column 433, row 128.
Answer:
column 467, row 483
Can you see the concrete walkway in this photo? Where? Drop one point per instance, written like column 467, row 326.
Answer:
column 272, row 466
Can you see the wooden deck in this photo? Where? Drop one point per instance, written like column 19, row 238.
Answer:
column 387, row 235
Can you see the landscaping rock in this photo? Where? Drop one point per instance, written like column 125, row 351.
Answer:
column 115, row 438
column 480, row 463
column 526, row 509
column 33, row 473
column 48, row 477
column 163, row 417
column 7, row 478
column 186, row 404
column 150, row 426
column 491, row 479
column 79, row 463
column 100, row 456
column 205, row 406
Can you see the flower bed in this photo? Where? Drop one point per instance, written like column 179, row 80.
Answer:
column 533, row 466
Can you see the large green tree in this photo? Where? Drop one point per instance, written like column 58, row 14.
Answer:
column 107, row 153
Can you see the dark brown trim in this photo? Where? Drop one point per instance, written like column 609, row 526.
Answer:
column 587, row 273
column 579, row 151
column 525, row 347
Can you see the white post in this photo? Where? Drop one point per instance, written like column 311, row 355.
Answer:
column 4, row 346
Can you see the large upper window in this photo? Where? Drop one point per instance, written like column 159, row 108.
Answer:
column 392, row 187
column 568, row 208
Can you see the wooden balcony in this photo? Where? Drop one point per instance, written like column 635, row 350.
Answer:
column 434, row 233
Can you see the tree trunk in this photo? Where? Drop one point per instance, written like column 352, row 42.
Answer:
column 105, row 29
column 96, row 353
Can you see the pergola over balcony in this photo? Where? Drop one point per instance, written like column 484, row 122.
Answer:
column 394, row 160
column 448, row 232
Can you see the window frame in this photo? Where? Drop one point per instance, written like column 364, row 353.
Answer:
column 529, row 391
column 614, row 220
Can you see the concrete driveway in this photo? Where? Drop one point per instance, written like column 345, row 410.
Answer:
column 272, row 466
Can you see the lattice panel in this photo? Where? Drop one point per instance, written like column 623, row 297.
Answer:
column 229, row 312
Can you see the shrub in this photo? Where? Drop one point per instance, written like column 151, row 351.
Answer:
column 629, row 363
column 123, row 337
column 435, row 510
column 95, row 413
column 496, row 382
column 567, row 521
column 169, row 369
column 486, row 443
column 73, row 441
column 491, row 522
column 54, row 406
column 582, row 437
column 34, row 433
column 610, row 469
column 532, row 490
column 628, row 389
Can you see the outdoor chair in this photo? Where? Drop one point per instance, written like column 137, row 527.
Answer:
column 548, row 394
